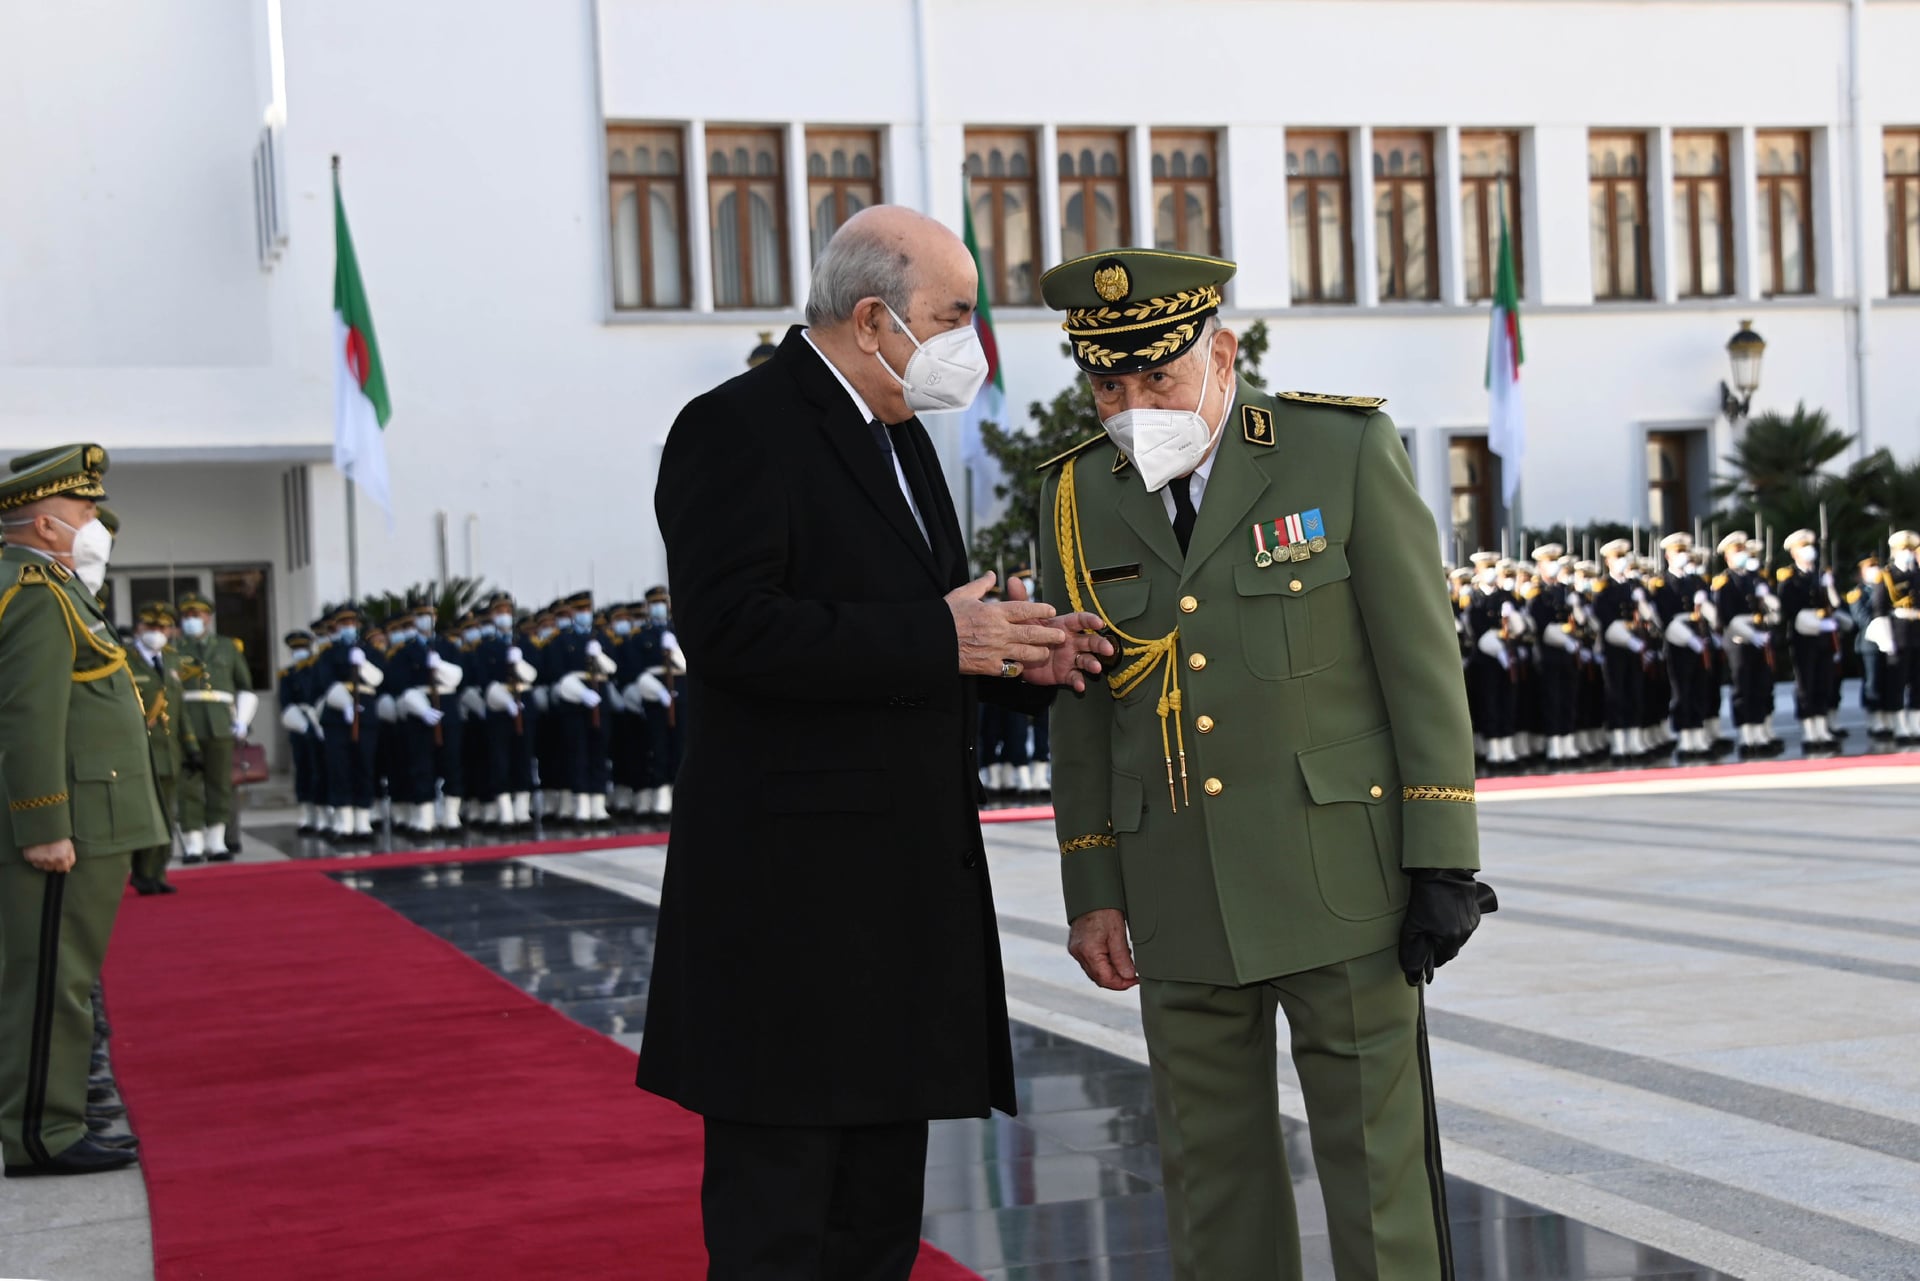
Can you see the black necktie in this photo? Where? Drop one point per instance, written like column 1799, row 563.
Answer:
column 157, row 666
column 910, row 468
column 1183, row 513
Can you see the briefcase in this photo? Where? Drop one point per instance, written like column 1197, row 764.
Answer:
column 249, row 763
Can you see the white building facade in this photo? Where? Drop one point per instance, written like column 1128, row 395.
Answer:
column 575, row 215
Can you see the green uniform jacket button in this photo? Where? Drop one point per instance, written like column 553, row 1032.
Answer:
column 1213, row 787
column 1197, row 661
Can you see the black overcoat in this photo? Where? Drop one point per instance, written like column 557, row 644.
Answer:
column 827, row 952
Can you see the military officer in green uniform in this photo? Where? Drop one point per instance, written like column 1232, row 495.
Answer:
column 220, row 704
column 79, row 794
column 1271, row 792
column 155, row 665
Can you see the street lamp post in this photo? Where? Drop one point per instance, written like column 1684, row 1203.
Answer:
column 1744, row 351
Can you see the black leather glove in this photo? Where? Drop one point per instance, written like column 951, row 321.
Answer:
column 193, row 762
column 1443, row 910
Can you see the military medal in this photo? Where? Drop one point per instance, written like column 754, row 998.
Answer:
column 1296, row 537
column 1261, row 556
column 1315, row 529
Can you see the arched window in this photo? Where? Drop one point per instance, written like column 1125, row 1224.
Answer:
column 1093, row 191
column 1702, row 214
column 1186, row 200
column 1617, row 215
column 646, row 201
column 1004, row 197
column 843, row 167
column 1318, row 211
column 1785, row 199
column 1405, row 222
column 746, row 203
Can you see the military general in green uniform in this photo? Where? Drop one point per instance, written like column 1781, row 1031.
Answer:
column 220, row 704
column 155, row 665
column 1271, row 794
column 79, row 792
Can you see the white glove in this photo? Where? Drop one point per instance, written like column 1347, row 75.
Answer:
column 1745, row 632
column 1679, row 633
column 573, row 688
column 1557, row 638
column 616, row 700
column 588, row 698
column 447, row 676
column 1697, row 645
column 340, row 699
column 1586, row 654
column 415, row 704
column 245, row 704
column 1826, row 579
column 1829, row 625
column 523, row 672
column 356, row 656
column 501, row 699
column 1640, row 595
column 1508, row 609
column 295, row 719
column 370, row 676
column 1621, row 637
column 387, row 709
column 1700, row 600
column 513, row 653
column 1492, row 646
column 649, row 687
column 473, row 704
column 1809, row 623
column 1907, row 615
column 593, row 649
column 676, row 658
column 602, row 664
column 313, row 719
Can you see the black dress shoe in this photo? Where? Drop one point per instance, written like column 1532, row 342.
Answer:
column 119, row 1142
column 165, row 887
column 191, row 859
column 88, row 1156
column 143, row 887
column 224, row 856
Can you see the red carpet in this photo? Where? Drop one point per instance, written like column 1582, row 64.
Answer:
column 324, row 1090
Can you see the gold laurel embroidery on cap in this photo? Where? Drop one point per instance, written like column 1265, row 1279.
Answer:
column 1095, row 354
column 1176, row 338
column 65, row 485
column 1430, row 792
column 1346, row 402
column 1149, row 314
column 1112, row 283
column 37, row 803
column 1079, row 843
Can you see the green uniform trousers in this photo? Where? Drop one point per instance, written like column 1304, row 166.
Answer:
column 207, row 797
column 1360, row 1046
column 53, row 938
column 151, row 864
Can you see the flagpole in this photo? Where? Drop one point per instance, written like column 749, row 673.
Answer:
column 353, row 534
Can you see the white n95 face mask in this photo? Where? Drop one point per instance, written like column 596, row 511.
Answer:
column 92, row 544
column 1165, row 443
column 945, row 372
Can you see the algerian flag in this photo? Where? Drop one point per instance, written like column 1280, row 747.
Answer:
column 360, row 404
column 1506, row 415
column 990, row 405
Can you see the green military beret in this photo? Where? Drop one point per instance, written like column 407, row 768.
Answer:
column 73, row 471
column 1129, row 310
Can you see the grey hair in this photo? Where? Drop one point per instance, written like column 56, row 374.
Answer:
column 859, row 264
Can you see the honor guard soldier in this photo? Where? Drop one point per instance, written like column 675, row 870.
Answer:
column 305, row 744
column 1618, row 612
column 1490, row 622
column 448, row 672
column 1677, row 599
column 576, row 668
column 1896, row 600
column 420, row 681
column 1808, row 605
column 219, row 709
column 500, row 669
column 155, row 667
column 1868, row 639
column 1748, row 611
column 627, row 739
column 77, row 780
column 1551, row 611
column 1264, row 565
column 348, row 677
column 666, row 664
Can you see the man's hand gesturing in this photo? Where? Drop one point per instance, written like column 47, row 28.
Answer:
column 1073, row 662
column 993, row 632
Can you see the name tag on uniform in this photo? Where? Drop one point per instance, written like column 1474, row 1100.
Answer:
column 1113, row 574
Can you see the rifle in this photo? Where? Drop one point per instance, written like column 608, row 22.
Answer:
column 1826, row 572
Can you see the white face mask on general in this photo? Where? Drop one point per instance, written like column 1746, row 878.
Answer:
column 193, row 627
column 92, row 544
column 945, row 371
column 153, row 642
column 1165, row 443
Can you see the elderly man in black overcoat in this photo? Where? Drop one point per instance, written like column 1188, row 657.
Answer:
column 827, row 977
